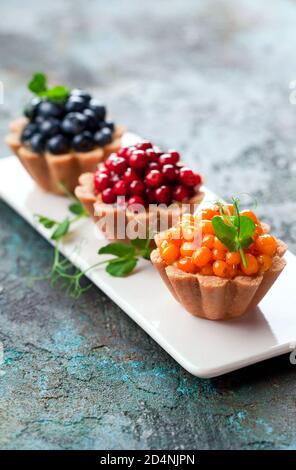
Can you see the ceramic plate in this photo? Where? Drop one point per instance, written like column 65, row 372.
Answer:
column 204, row 348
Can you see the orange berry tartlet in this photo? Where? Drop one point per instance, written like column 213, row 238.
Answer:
column 140, row 186
column 220, row 262
column 63, row 133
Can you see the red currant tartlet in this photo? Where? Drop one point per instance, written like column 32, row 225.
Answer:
column 63, row 134
column 215, row 279
column 140, row 183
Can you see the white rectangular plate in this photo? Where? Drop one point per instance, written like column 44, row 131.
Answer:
column 202, row 347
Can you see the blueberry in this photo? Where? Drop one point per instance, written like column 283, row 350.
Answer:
column 98, row 108
column 83, row 142
column 28, row 131
column 74, row 123
column 37, row 143
column 108, row 124
column 58, row 144
column 92, row 121
column 49, row 127
column 81, row 93
column 75, row 104
column 50, row 109
column 103, row 137
column 31, row 109
column 39, row 120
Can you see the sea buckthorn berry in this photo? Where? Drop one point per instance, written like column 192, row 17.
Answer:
column 187, row 248
column 188, row 233
column 265, row 262
column 170, row 253
column 208, row 241
column 187, row 219
column 252, row 265
column 233, row 258
column 175, row 236
column 219, row 254
column 206, row 214
column 266, row 244
column 219, row 245
column 207, row 228
column 259, row 229
column 231, row 271
column 202, row 256
column 249, row 214
column 220, row 268
column 163, row 245
column 207, row 270
column 187, row 265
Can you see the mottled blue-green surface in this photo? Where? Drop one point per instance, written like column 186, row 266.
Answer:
column 211, row 79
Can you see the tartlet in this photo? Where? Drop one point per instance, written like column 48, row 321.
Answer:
column 141, row 185
column 213, row 283
column 56, row 141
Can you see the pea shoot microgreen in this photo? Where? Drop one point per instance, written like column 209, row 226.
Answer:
column 234, row 231
column 38, row 86
column 123, row 262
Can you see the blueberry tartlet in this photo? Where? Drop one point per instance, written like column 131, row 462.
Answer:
column 140, row 184
column 62, row 134
column 219, row 263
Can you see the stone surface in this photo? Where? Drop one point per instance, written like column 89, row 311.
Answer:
column 211, row 79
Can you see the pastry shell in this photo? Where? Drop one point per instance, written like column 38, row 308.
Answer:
column 153, row 219
column 49, row 170
column 215, row 298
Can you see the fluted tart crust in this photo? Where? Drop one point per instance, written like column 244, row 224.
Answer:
column 49, row 170
column 216, row 298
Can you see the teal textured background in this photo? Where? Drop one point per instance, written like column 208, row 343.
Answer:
column 211, row 79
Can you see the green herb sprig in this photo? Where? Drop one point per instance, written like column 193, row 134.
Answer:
column 234, row 231
column 126, row 256
column 38, row 86
column 62, row 271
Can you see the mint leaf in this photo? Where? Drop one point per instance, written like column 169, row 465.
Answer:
column 247, row 228
column 121, row 267
column 38, row 83
column 117, row 249
column 77, row 208
column 143, row 245
column 57, row 93
column 61, row 229
column 45, row 221
column 224, row 232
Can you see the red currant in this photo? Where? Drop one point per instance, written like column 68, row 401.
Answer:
column 152, row 155
column 120, row 188
column 166, row 159
column 145, row 145
column 136, row 200
column 169, row 172
column 175, row 155
column 187, row 176
column 138, row 160
column 198, row 179
column 116, row 164
column 123, row 152
column 150, row 195
column 108, row 196
column 153, row 166
column 130, row 175
column 163, row 194
column 180, row 193
column 137, row 188
column 154, row 179
column 101, row 181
